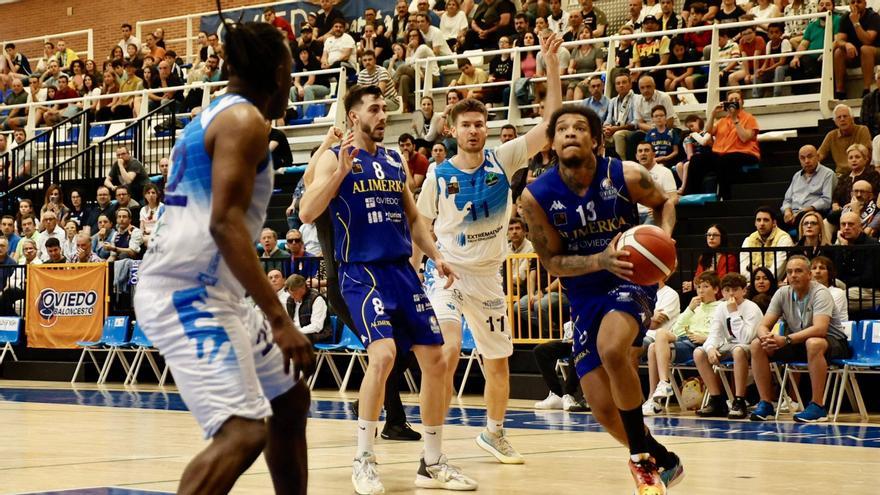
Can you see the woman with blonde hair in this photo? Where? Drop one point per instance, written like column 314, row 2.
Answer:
column 858, row 157
column 812, row 234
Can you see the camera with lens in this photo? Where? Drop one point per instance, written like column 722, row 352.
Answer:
column 731, row 105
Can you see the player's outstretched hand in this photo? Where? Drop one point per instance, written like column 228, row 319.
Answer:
column 550, row 48
column 446, row 271
column 347, row 152
column 294, row 346
column 611, row 259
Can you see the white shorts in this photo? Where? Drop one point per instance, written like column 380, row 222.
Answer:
column 219, row 350
column 480, row 300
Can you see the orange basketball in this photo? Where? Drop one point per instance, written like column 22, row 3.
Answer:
column 651, row 251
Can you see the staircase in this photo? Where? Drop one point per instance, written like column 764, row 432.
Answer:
column 766, row 186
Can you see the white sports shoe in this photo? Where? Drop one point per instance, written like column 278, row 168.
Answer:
column 365, row 476
column 568, row 402
column 552, row 401
column 651, row 408
column 443, row 476
column 663, row 390
column 498, row 445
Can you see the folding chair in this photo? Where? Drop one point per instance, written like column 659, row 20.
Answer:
column 865, row 360
column 349, row 345
column 143, row 348
column 469, row 354
column 10, row 338
column 113, row 336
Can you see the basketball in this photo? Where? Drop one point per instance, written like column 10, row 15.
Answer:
column 651, row 251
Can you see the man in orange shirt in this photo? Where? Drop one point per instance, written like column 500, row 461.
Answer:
column 736, row 144
column 156, row 51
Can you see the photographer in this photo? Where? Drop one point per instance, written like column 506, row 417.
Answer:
column 736, row 144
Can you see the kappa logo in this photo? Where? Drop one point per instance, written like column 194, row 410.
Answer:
column 557, row 205
column 624, row 297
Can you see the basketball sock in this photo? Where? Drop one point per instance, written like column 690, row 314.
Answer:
column 659, row 452
column 433, row 444
column 634, row 426
column 495, row 426
column 366, row 435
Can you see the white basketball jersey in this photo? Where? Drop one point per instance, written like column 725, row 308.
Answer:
column 182, row 252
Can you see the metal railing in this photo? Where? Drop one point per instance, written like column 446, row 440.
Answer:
column 209, row 91
column 191, row 29
column 23, row 45
column 537, row 307
column 713, row 89
column 94, row 161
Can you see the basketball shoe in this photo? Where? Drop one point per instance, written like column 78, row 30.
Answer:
column 443, row 476
column 365, row 476
column 646, row 475
column 498, row 445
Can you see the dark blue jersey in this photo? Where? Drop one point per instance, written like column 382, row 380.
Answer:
column 587, row 224
column 369, row 222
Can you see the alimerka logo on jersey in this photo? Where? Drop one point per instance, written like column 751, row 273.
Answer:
column 382, row 185
column 52, row 304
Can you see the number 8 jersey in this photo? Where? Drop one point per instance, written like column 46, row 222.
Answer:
column 472, row 207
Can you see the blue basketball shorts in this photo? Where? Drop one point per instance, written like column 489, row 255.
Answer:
column 386, row 301
column 587, row 311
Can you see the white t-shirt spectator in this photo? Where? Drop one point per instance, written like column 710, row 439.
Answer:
column 335, row 46
column 839, row 297
column 663, row 177
column 435, row 39
column 669, row 304
column 738, row 326
column 310, row 238
column 451, row 26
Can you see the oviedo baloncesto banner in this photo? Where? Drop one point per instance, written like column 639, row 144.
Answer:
column 65, row 304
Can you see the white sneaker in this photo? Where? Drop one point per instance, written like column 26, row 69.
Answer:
column 443, row 476
column 498, row 445
column 663, row 390
column 365, row 476
column 568, row 402
column 651, row 408
column 552, row 401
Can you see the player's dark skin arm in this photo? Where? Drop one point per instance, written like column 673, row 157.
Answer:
column 232, row 181
column 548, row 245
column 643, row 189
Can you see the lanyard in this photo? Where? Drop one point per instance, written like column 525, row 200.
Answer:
column 802, row 307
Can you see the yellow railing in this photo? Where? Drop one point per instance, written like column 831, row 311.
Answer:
column 535, row 315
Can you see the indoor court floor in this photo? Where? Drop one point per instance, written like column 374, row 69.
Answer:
column 88, row 440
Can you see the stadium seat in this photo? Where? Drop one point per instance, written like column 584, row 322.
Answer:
column 348, row 345
column 469, row 354
column 698, row 199
column 865, row 360
column 97, row 131
column 10, row 338
column 143, row 348
column 832, row 381
column 113, row 336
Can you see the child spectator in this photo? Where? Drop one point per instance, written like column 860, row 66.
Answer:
column 677, row 346
column 732, row 331
column 773, row 69
column 664, row 140
column 697, row 142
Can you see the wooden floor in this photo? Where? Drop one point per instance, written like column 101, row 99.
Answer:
column 57, row 446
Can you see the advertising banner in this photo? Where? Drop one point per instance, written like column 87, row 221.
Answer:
column 65, row 303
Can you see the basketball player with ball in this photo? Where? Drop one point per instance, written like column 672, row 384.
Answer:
column 582, row 216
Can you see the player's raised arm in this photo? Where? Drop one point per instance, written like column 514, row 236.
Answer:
column 644, row 190
column 536, row 138
column 548, row 245
column 334, row 135
column 232, row 183
column 330, row 171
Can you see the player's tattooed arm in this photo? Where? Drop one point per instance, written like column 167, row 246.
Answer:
column 548, row 244
column 644, row 190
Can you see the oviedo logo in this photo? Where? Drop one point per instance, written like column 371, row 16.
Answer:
column 52, row 304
